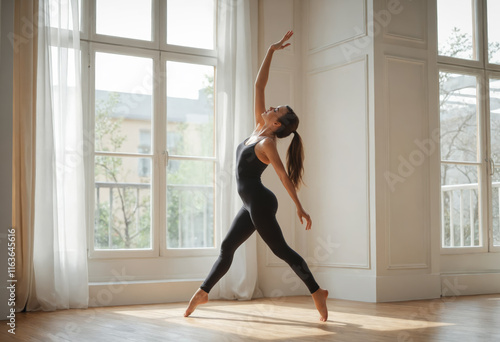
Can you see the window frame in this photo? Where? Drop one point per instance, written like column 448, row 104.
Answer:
column 93, row 48
column 480, row 163
column 489, row 74
column 159, row 52
column 481, row 69
column 478, row 20
column 155, row 39
column 488, row 66
column 163, row 46
column 183, row 252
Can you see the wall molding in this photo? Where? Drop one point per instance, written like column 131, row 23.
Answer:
column 405, row 38
column 465, row 284
column 367, row 264
column 364, row 33
column 408, row 287
column 424, row 133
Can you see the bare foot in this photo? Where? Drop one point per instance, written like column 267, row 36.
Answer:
column 319, row 298
column 200, row 297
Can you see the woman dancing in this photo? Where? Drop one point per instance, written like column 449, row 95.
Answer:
column 259, row 203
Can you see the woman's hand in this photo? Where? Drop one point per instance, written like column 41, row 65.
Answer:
column 303, row 214
column 279, row 45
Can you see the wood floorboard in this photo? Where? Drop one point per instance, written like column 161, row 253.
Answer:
column 467, row 318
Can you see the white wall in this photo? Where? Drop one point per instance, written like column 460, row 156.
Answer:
column 6, row 89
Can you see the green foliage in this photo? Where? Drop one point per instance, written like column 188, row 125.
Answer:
column 128, row 203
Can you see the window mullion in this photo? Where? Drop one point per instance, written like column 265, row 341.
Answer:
column 160, row 147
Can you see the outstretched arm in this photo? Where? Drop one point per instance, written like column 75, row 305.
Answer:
column 271, row 152
column 263, row 76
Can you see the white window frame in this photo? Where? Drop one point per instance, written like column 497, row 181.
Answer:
column 179, row 252
column 127, row 51
column 184, row 49
column 488, row 75
column 160, row 52
column 481, row 69
column 155, row 39
column 482, row 215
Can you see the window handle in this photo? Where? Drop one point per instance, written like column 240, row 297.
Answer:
column 165, row 153
column 492, row 166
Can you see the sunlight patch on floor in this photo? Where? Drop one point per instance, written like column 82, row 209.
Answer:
column 262, row 320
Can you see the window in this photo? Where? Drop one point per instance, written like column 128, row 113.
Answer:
column 152, row 112
column 469, row 61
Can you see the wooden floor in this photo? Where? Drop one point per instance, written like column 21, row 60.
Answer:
column 468, row 318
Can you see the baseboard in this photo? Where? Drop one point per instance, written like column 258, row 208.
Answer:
column 141, row 292
column 357, row 287
column 469, row 284
column 408, row 287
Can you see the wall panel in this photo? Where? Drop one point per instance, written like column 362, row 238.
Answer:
column 337, row 165
column 407, row 172
column 408, row 23
column 331, row 22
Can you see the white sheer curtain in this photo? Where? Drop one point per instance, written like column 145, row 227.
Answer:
column 59, row 251
column 235, row 115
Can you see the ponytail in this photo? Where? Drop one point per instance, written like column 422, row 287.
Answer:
column 295, row 160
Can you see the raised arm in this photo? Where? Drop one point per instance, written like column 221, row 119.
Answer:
column 263, row 76
column 271, row 152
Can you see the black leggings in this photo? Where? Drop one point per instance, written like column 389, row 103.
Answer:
column 264, row 221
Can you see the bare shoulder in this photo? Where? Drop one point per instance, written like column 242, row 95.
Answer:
column 268, row 143
column 269, row 148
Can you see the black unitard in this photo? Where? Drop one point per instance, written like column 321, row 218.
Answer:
column 258, row 213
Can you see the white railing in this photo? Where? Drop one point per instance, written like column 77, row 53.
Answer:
column 187, row 231
column 108, row 195
column 460, row 228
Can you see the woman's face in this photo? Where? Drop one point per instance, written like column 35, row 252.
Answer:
column 272, row 115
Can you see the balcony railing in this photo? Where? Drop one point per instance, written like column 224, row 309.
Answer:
column 460, row 215
column 190, row 225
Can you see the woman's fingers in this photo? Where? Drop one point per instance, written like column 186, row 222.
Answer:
column 279, row 45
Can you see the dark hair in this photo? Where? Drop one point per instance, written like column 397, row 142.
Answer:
column 295, row 154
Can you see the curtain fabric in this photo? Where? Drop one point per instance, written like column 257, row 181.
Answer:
column 23, row 169
column 236, row 121
column 59, row 244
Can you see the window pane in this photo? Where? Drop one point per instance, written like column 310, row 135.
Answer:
column 190, row 204
column 459, row 127
column 123, row 103
column 493, row 31
column 190, row 109
column 191, row 23
column 124, row 18
column 456, row 29
column 460, row 206
column 495, row 155
column 123, row 203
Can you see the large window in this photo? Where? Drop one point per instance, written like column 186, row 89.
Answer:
column 151, row 108
column 469, row 98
